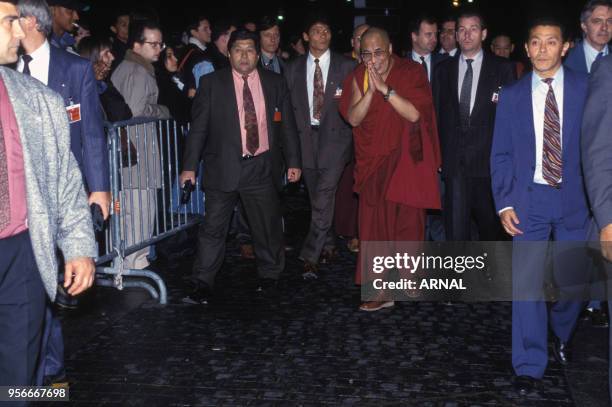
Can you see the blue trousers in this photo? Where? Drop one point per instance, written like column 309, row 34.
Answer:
column 22, row 305
column 530, row 317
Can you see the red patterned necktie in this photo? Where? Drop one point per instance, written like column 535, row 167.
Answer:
column 250, row 118
column 318, row 92
column 5, row 206
column 551, row 154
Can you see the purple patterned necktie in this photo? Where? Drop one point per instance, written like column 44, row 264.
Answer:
column 318, row 92
column 250, row 118
column 5, row 206
column 551, row 153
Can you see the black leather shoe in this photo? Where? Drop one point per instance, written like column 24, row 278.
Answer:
column 200, row 295
column 524, row 385
column 560, row 351
column 311, row 271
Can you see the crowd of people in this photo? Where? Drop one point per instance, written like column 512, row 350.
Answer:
column 451, row 142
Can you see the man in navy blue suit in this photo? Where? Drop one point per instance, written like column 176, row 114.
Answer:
column 72, row 77
column 596, row 24
column 538, row 189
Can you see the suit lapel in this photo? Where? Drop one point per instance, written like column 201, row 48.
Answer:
column 526, row 111
column 56, row 68
column 269, row 101
column 227, row 81
column 454, row 81
column 333, row 81
column 571, row 111
column 482, row 89
column 302, row 88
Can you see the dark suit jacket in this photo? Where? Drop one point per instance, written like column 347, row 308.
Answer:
column 597, row 143
column 215, row 130
column 72, row 77
column 513, row 156
column 576, row 59
column 334, row 145
column 467, row 151
column 281, row 63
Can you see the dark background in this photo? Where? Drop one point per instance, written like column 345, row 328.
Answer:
column 510, row 16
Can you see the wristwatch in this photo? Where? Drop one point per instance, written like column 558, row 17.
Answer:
column 390, row 92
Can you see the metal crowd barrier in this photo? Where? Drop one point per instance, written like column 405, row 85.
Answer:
column 144, row 161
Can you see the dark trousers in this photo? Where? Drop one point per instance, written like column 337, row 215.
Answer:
column 261, row 203
column 322, row 185
column 22, row 306
column 51, row 361
column 468, row 199
column 530, row 316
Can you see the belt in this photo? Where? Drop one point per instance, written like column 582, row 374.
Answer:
column 314, row 127
column 248, row 157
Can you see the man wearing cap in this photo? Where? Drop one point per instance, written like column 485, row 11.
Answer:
column 65, row 14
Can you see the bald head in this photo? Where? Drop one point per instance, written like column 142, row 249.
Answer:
column 372, row 32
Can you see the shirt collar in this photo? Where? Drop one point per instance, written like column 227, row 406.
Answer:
column 537, row 81
column 41, row 52
column 417, row 57
column 197, row 43
column 477, row 58
column 589, row 50
column 323, row 59
column 253, row 75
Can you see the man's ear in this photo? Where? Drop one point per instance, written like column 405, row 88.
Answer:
column 113, row 29
column 484, row 34
column 566, row 46
column 390, row 49
column 305, row 37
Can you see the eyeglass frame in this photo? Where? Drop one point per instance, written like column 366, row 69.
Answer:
column 155, row 44
column 370, row 55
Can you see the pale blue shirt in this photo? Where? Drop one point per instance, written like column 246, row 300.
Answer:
column 476, row 67
column 417, row 58
column 324, row 61
column 590, row 53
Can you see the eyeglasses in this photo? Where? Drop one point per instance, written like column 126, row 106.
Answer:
column 156, row 44
column 366, row 56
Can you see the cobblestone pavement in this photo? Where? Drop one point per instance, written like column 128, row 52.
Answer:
column 311, row 347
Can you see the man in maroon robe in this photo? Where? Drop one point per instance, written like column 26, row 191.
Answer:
column 388, row 102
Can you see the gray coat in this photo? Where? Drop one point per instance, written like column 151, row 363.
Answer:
column 58, row 214
column 134, row 78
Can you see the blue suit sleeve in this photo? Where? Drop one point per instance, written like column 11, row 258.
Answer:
column 93, row 136
column 502, row 155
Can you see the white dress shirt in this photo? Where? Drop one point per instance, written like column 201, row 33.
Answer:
column 416, row 57
column 452, row 52
column 324, row 61
column 476, row 67
column 39, row 65
column 539, row 90
column 590, row 53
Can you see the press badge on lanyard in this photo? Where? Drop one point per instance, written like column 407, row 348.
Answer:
column 74, row 112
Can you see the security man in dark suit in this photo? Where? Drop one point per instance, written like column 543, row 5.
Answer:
column 315, row 82
column 243, row 127
column 466, row 89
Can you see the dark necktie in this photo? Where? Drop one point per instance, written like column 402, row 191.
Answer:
column 551, row 152
column 318, row 92
column 465, row 98
column 5, row 205
column 26, row 63
column 250, row 118
column 599, row 56
column 269, row 65
column 425, row 67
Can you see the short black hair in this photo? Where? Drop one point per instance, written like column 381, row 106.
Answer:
column 315, row 18
column 266, row 23
column 120, row 13
column 423, row 18
column 242, row 35
column 447, row 18
column 547, row 21
column 195, row 23
column 221, row 28
column 90, row 47
column 137, row 28
column 470, row 12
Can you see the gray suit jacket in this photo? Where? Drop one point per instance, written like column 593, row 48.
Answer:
column 332, row 145
column 597, row 142
column 58, row 214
